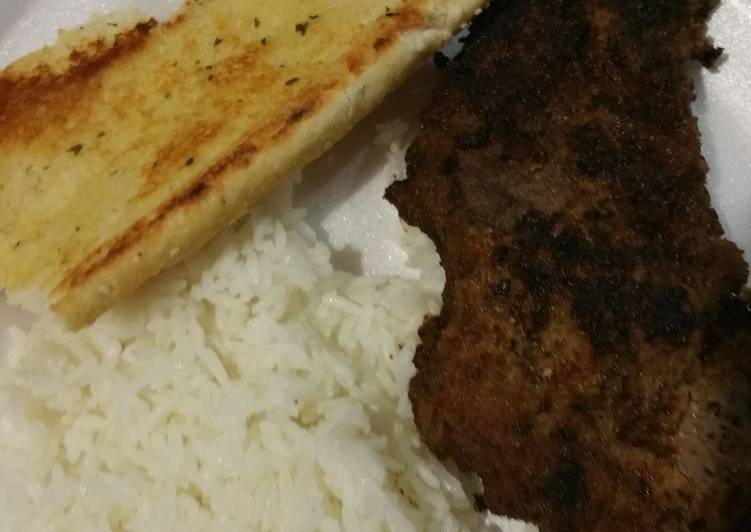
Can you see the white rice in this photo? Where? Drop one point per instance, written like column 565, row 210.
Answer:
column 254, row 388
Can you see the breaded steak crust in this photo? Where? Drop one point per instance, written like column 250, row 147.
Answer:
column 592, row 361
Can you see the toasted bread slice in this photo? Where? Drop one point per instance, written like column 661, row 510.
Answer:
column 127, row 145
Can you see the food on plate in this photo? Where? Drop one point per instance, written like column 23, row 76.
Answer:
column 127, row 145
column 252, row 388
column 592, row 359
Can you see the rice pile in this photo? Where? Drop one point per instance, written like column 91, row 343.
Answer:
column 254, row 388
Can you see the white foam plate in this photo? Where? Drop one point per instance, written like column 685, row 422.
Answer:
column 344, row 189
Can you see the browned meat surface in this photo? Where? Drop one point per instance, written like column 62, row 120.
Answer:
column 592, row 361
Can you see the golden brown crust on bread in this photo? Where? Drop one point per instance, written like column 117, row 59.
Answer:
column 140, row 144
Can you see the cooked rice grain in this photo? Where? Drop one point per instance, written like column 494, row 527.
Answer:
column 253, row 388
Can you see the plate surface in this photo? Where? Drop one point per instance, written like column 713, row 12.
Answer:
column 343, row 190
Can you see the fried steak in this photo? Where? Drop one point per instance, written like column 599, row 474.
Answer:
column 592, row 362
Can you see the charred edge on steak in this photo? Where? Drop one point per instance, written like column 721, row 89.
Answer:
column 591, row 361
